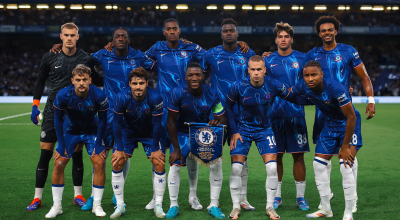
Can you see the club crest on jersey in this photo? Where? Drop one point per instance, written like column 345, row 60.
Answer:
column 204, row 108
column 184, row 54
column 268, row 96
column 132, row 62
column 295, row 65
column 146, row 111
column 206, row 137
column 242, row 61
column 90, row 108
column 327, row 102
column 338, row 58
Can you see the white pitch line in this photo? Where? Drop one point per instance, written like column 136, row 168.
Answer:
column 16, row 124
column 14, row 116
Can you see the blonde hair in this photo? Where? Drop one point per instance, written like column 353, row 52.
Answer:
column 70, row 26
column 81, row 70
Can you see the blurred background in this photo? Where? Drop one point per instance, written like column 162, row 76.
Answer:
column 30, row 28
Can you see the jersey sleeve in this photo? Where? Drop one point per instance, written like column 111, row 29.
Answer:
column 61, row 101
column 151, row 53
column 309, row 56
column 157, row 105
column 97, row 57
column 147, row 62
column 176, row 98
column 354, row 57
column 43, row 74
column 282, row 90
column 297, row 89
column 340, row 94
column 102, row 102
column 233, row 94
column 119, row 104
column 217, row 107
column 199, row 53
column 204, row 63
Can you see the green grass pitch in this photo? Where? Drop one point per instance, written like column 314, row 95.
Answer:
column 378, row 176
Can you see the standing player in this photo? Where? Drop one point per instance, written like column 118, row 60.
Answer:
column 337, row 61
column 287, row 119
column 254, row 96
column 138, row 111
column 342, row 130
column 58, row 68
column 228, row 64
column 192, row 101
column 81, row 102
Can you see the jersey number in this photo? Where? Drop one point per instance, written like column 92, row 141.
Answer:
column 271, row 140
column 354, row 139
column 302, row 139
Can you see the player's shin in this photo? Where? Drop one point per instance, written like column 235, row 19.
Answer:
column 244, row 177
column 159, row 186
column 42, row 171
column 153, row 170
column 322, row 181
column 118, row 182
column 192, row 168
column 271, row 183
column 126, row 168
column 329, row 167
column 174, row 180
column 355, row 172
column 300, row 188
column 77, row 172
column 57, row 191
column 349, row 184
column 216, row 178
column 235, row 183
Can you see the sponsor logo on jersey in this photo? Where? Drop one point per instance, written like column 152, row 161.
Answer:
column 43, row 134
column 104, row 103
column 327, row 102
column 206, row 137
column 90, row 108
column 356, row 55
column 283, row 88
column 198, row 48
column 268, row 96
column 338, row 58
column 146, row 111
column 132, row 62
column 159, row 106
column 242, row 61
column 184, row 54
column 342, row 97
column 295, row 65
column 204, row 108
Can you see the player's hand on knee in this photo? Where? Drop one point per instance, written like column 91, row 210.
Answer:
column 214, row 122
column 103, row 155
column 244, row 47
column 184, row 41
column 234, row 140
column 35, row 115
column 158, row 155
column 116, row 157
column 266, row 54
column 345, row 154
column 109, row 46
column 56, row 48
column 175, row 156
column 371, row 110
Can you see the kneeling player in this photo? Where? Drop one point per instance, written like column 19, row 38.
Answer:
column 81, row 102
column 192, row 102
column 342, row 131
column 138, row 112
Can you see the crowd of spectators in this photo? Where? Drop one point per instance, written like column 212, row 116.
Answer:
column 199, row 17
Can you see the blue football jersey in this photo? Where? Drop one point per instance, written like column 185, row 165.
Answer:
column 254, row 103
column 82, row 113
column 226, row 68
column 330, row 100
column 337, row 63
column 288, row 70
column 172, row 63
column 116, row 69
column 194, row 109
column 138, row 115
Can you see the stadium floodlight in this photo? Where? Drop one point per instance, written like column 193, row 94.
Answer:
column 13, row 6
column 76, row 7
column 24, row 6
column 297, row 7
column 229, row 7
column 182, row 7
column 163, row 7
column 274, row 7
column 260, row 7
column 42, row 6
column 378, row 8
column 89, row 7
column 395, row 8
column 320, row 7
column 343, row 7
column 59, row 6
column 128, row 8
column 1, row 6
column 247, row 7
column 366, row 7
column 212, row 7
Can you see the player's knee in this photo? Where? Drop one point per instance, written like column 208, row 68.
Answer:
column 98, row 164
column 271, row 168
column 59, row 165
column 158, row 166
column 237, row 169
column 298, row 158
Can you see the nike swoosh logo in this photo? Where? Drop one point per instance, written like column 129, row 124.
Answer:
column 41, row 169
column 172, row 182
column 245, row 98
column 272, row 65
column 318, row 58
column 218, row 180
column 318, row 185
column 58, row 66
column 218, row 62
column 347, row 187
column 80, row 168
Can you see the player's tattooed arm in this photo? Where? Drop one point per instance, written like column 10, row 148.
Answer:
column 345, row 152
column 173, row 134
column 56, row 48
column 369, row 90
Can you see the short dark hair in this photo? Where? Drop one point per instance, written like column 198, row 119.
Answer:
column 228, row 21
column 256, row 58
column 313, row 63
column 283, row 27
column 129, row 36
column 194, row 65
column 327, row 19
column 170, row 20
column 140, row 73
column 81, row 70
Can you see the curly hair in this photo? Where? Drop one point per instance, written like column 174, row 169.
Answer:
column 228, row 21
column 327, row 19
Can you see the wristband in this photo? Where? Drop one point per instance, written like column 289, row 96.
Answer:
column 371, row 100
column 36, row 102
